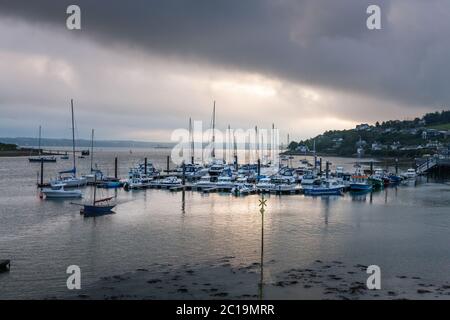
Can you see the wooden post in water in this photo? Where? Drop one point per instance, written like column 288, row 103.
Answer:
column 396, row 165
column 320, row 166
column 115, row 167
column 259, row 168
column 327, row 166
column 371, row 167
column 42, row 172
column 184, row 174
column 168, row 164
column 145, row 166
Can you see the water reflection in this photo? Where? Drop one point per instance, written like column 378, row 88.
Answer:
column 150, row 227
column 183, row 202
column 262, row 204
column 360, row 196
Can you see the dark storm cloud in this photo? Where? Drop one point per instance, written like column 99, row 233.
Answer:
column 323, row 43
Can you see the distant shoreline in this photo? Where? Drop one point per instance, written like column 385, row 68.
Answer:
column 369, row 156
column 21, row 153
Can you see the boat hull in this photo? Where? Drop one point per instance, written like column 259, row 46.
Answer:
column 323, row 191
column 110, row 185
column 51, row 194
column 360, row 187
column 42, row 159
column 91, row 210
column 70, row 183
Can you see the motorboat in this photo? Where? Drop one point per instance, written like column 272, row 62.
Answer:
column 308, row 179
column 284, row 183
column 410, row 174
column 244, row 189
column 327, row 187
column 171, row 182
column 265, row 185
column 360, row 183
column 379, row 178
column 224, row 182
column 58, row 191
column 205, row 182
column 216, row 168
column 137, row 180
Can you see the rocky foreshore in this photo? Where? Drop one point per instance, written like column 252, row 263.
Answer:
column 224, row 279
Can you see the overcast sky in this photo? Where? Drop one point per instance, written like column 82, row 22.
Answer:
column 139, row 69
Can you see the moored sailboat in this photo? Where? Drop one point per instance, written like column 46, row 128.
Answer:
column 40, row 157
column 72, row 180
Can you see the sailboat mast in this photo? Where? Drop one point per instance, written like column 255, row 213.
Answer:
column 213, row 153
column 95, row 189
column 191, row 138
column 257, row 142
column 39, row 141
column 73, row 136
column 229, row 153
column 92, row 150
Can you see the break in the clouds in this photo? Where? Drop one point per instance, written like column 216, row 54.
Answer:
column 140, row 69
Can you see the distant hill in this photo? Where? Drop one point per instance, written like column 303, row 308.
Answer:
column 395, row 138
column 7, row 147
column 81, row 143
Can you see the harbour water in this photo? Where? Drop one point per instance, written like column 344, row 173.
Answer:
column 405, row 230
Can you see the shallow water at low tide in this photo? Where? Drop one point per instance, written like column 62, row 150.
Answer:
column 404, row 230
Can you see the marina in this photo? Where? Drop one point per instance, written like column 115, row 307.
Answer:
column 117, row 185
column 246, row 152
column 179, row 221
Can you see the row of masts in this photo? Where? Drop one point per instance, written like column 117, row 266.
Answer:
column 213, row 139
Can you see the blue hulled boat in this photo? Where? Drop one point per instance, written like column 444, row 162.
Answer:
column 98, row 207
column 327, row 188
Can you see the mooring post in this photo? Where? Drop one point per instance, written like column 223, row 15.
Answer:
column 396, row 165
column 259, row 168
column 327, row 167
column 184, row 174
column 320, row 166
column 168, row 164
column 371, row 167
column 145, row 164
column 115, row 167
column 236, row 162
column 42, row 172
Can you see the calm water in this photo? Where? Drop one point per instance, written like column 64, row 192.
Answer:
column 404, row 230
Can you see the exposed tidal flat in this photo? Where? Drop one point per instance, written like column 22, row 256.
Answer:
column 164, row 245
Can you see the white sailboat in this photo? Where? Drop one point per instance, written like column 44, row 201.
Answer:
column 40, row 157
column 70, row 180
column 95, row 174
